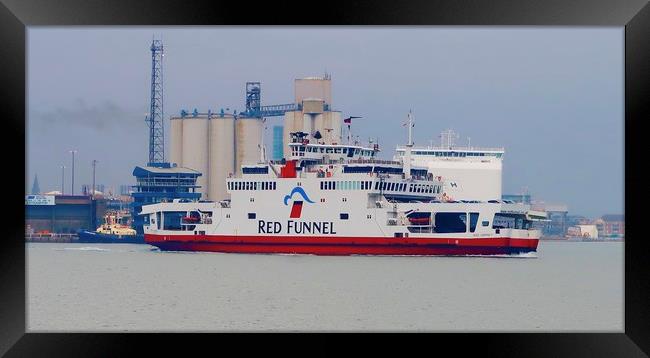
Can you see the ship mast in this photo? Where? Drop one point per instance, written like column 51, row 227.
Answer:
column 409, row 145
column 261, row 145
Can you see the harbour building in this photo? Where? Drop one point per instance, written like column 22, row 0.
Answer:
column 611, row 226
column 99, row 189
column 557, row 219
column 125, row 189
column 161, row 183
column 63, row 214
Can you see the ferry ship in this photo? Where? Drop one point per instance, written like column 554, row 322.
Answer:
column 339, row 199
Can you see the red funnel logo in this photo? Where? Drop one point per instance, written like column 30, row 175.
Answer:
column 296, row 210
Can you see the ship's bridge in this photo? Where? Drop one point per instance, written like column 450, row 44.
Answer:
column 334, row 152
column 448, row 151
column 451, row 152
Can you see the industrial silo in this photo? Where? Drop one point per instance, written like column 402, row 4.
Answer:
column 312, row 109
column 333, row 121
column 293, row 122
column 248, row 136
column 195, row 149
column 176, row 141
column 329, row 126
column 308, row 124
column 313, row 87
column 319, row 126
column 327, row 123
column 313, row 105
column 222, row 155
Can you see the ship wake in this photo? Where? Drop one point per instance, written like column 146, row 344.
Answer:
column 85, row 248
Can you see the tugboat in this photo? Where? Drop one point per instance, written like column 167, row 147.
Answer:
column 112, row 231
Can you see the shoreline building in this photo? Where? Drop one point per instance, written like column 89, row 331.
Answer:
column 557, row 215
column 63, row 214
column 611, row 226
column 583, row 231
column 99, row 189
column 161, row 183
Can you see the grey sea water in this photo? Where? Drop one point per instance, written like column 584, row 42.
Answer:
column 570, row 286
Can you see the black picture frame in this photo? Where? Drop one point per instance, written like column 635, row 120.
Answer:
column 634, row 15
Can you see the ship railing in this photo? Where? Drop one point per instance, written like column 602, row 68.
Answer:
column 164, row 184
column 373, row 161
column 326, row 162
column 313, row 162
column 453, row 147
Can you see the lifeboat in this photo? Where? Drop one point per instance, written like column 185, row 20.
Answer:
column 419, row 217
column 191, row 219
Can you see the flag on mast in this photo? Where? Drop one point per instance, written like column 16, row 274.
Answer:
column 349, row 119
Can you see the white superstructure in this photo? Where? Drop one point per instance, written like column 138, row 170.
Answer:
column 469, row 173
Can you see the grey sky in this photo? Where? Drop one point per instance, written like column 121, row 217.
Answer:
column 552, row 96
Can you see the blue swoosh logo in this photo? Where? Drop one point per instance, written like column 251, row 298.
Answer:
column 297, row 190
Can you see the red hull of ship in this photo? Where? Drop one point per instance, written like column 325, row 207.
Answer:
column 343, row 245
